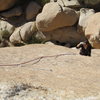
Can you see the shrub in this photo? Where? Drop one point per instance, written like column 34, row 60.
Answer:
column 38, row 37
column 4, row 34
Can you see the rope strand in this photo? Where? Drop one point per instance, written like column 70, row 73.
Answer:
column 35, row 59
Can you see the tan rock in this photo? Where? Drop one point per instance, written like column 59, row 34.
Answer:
column 6, row 4
column 15, row 38
column 13, row 12
column 6, row 28
column 23, row 33
column 32, row 10
column 54, row 16
column 84, row 16
column 67, row 35
column 93, row 30
column 27, row 30
column 69, row 3
column 64, row 77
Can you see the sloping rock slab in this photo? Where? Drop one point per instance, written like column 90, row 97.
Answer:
column 65, row 76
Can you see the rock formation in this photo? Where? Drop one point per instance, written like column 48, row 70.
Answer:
column 64, row 21
column 49, row 67
column 84, row 16
column 66, row 77
column 93, row 30
column 54, row 16
column 23, row 33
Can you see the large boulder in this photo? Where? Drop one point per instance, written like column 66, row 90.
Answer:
column 17, row 11
column 66, row 35
column 92, row 31
column 48, row 72
column 54, row 16
column 69, row 3
column 23, row 33
column 32, row 10
column 6, row 29
column 6, row 4
column 84, row 16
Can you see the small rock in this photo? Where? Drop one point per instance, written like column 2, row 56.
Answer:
column 49, row 43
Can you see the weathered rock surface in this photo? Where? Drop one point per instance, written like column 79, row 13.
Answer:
column 93, row 30
column 6, row 4
column 23, row 33
column 84, row 16
column 67, row 35
column 17, row 11
column 32, row 10
column 54, row 16
column 66, row 77
column 68, row 3
column 6, row 29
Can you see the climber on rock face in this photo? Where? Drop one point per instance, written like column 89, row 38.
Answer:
column 85, row 48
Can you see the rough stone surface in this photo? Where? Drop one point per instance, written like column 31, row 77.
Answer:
column 66, row 77
column 66, row 35
column 92, row 31
column 23, row 33
column 32, row 10
column 6, row 4
column 84, row 16
column 13, row 12
column 69, row 3
column 6, row 29
column 54, row 16
column 15, row 38
column 4, row 25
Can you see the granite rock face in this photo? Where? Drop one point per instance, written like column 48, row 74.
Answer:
column 93, row 30
column 68, row 3
column 23, row 34
column 85, row 14
column 53, row 16
column 68, row 35
column 64, row 77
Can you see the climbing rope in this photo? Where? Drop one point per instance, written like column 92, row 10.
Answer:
column 36, row 60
